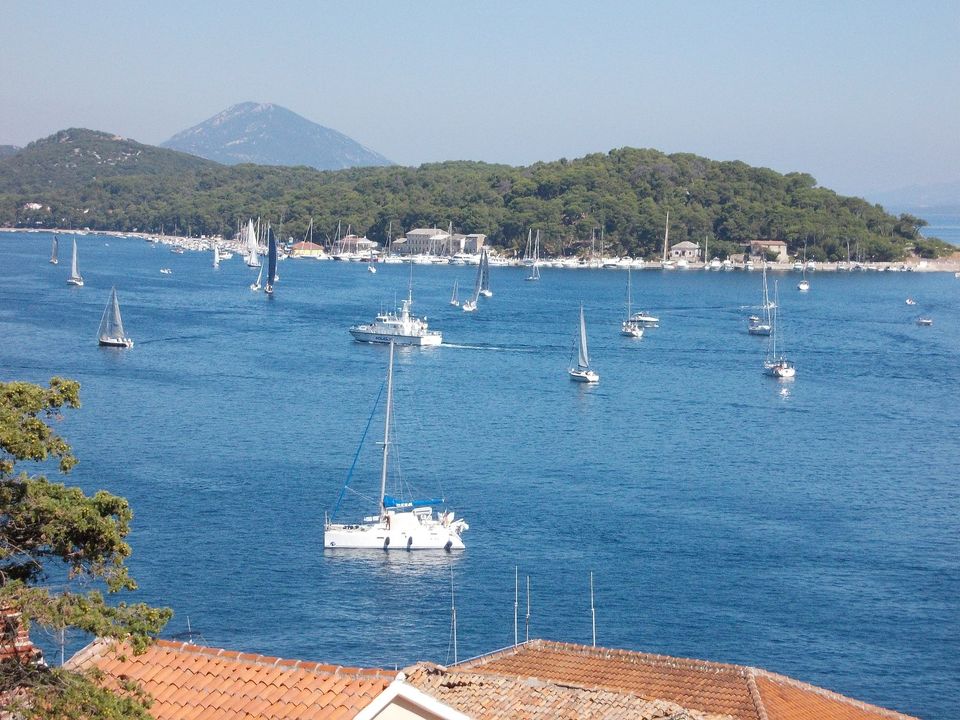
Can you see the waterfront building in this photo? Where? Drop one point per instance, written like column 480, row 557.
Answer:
column 685, row 250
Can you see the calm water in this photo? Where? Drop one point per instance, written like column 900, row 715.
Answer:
column 808, row 527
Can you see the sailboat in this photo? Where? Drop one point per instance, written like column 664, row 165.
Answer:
column 535, row 265
column 252, row 259
column 75, row 277
column 664, row 263
column 485, row 274
column 255, row 285
column 582, row 372
column 454, row 298
column 470, row 305
column 804, row 284
column 776, row 365
column 271, row 264
column 399, row 524
column 758, row 325
column 111, row 332
column 53, row 251
column 216, row 255
column 630, row 327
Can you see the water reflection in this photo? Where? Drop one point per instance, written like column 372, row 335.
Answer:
column 409, row 563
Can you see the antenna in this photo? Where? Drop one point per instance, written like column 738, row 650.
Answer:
column 516, row 602
column 453, row 617
column 528, row 610
column 593, row 611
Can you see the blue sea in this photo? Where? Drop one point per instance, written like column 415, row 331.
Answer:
column 810, row 527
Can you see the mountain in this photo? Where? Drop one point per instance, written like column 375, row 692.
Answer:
column 8, row 150
column 75, row 157
column 267, row 134
column 918, row 197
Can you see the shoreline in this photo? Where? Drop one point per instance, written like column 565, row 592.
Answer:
column 949, row 264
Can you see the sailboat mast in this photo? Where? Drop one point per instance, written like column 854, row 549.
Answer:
column 386, row 434
column 666, row 236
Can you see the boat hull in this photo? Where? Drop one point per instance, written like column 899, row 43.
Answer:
column 369, row 336
column 583, row 376
column 116, row 342
column 75, row 281
column 419, row 530
column 782, row 370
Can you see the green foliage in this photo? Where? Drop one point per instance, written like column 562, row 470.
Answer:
column 624, row 193
column 47, row 527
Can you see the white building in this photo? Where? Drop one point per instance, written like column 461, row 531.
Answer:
column 685, row 250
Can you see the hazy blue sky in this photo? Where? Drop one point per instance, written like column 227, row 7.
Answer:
column 863, row 95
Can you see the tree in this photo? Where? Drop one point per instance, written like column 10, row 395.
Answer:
column 48, row 529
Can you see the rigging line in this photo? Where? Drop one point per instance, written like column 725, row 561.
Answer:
column 356, row 455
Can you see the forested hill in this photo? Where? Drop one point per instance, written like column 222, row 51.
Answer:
column 625, row 194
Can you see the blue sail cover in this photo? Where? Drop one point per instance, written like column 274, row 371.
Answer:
column 392, row 502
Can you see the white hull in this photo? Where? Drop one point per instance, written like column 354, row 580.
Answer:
column 584, row 376
column 759, row 329
column 75, row 281
column 781, row 369
column 116, row 342
column 361, row 333
column 409, row 530
column 633, row 330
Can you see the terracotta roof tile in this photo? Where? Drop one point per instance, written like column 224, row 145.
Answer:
column 190, row 682
column 737, row 691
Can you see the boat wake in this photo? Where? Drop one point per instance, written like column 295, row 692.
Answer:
column 498, row 348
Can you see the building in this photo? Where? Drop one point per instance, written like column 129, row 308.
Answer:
column 355, row 245
column 307, row 249
column 760, row 248
column 536, row 680
column 685, row 250
column 425, row 241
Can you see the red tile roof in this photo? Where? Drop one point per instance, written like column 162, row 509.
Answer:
column 739, row 691
column 191, row 681
column 485, row 696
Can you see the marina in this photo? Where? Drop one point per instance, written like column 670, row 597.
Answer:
column 807, row 527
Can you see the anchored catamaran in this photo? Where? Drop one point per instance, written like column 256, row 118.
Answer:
column 400, row 524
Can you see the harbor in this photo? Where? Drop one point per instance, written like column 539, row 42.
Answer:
column 792, row 525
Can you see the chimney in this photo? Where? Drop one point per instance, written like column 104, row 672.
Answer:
column 15, row 641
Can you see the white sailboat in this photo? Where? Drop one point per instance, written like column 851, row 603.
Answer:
column 582, row 372
column 761, row 325
column 255, row 285
column 776, row 364
column 535, row 264
column 470, row 305
column 250, row 242
column 53, row 251
column 111, row 333
column 75, row 277
column 454, row 297
column 630, row 327
column 400, row 524
column 804, row 284
column 664, row 262
column 216, row 255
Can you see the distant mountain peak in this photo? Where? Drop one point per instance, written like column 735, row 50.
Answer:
column 268, row 134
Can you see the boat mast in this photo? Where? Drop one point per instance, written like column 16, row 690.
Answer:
column 386, row 435
column 666, row 235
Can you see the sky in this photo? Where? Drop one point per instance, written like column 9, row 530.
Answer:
column 864, row 96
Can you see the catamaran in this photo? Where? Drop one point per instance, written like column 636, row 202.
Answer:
column 111, row 332
column 582, row 372
column 75, row 277
column 53, row 251
column 776, row 365
column 630, row 327
column 400, row 524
